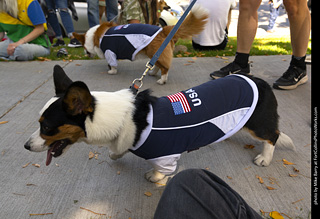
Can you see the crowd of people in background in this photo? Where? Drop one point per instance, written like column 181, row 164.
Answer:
column 24, row 24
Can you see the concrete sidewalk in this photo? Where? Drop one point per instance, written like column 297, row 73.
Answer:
column 117, row 188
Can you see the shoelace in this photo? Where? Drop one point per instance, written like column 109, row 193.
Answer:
column 291, row 73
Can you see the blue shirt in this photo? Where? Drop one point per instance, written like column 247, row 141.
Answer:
column 193, row 118
column 36, row 14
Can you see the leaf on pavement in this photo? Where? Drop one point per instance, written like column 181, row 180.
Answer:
column 275, row 215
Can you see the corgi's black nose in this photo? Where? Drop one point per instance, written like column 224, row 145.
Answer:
column 27, row 146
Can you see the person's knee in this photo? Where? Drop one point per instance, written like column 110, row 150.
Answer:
column 295, row 8
column 21, row 54
column 186, row 178
column 64, row 10
column 52, row 11
column 250, row 6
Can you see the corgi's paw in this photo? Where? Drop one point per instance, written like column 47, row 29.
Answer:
column 114, row 156
column 154, row 176
column 113, row 71
column 163, row 79
column 262, row 161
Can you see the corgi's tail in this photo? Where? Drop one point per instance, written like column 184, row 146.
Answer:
column 286, row 141
column 192, row 25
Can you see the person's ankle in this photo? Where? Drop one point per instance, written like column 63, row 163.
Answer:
column 242, row 59
column 298, row 62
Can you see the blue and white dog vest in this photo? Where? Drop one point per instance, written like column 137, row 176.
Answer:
column 125, row 41
column 188, row 120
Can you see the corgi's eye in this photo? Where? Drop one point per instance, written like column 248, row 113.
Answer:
column 45, row 129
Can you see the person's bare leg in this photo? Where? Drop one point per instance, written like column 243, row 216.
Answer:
column 247, row 24
column 247, row 28
column 300, row 25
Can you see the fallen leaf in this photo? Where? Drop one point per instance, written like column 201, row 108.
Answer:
column 249, row 146
column 40, row 214
column 78, row 64
column 160, row 184
column 200, row 54
column 91, row 211
column 273, row 180
column 190, row 61
column 275, row 215
column 296, row 170
column 297, row 201
column 91, row 155
column 293, row 175
column 270, row 188
column 43, row 59
column 229, row 177
column 3, row 122
column 36, row 165
column 225, row 58
column 27, row 164
column 285, row 162
column 260, row 179
column 149, row 194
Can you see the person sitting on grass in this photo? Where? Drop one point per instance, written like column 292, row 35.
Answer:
column 215, row 34
column 25, row 25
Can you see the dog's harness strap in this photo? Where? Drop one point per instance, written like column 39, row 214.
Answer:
column 151, row 63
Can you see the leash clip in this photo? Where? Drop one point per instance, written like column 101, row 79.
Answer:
column 134, row 87
column 149, row 66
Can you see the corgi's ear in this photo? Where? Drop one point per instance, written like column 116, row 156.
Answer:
column 80, row 37
column 77, row 99
column 61, row 80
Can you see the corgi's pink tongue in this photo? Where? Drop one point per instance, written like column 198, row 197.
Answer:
column 49, row 156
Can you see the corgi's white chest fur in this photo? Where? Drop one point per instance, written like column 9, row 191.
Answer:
column 110, row 125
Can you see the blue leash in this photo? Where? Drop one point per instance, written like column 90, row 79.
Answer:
column 151, row 63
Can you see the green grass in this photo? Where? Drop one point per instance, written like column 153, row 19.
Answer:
column 261, row 46
column 73, row 53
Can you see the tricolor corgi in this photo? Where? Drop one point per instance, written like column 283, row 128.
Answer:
column 114, row 42
column 158, row 129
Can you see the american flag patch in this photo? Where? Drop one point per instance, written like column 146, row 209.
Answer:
column 179, row 103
